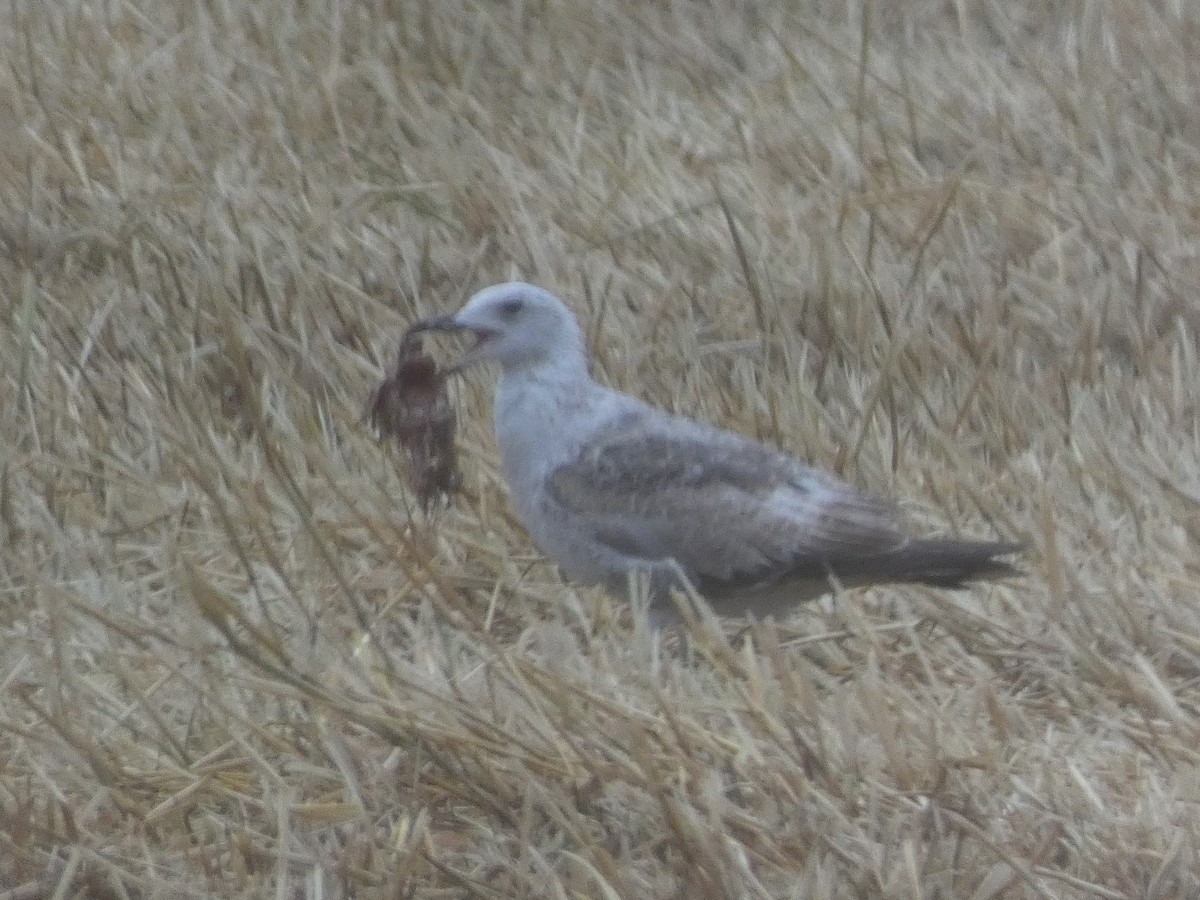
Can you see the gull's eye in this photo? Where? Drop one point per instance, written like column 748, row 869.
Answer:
column 510, row 308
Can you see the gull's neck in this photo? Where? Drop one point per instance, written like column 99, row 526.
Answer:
column 541, row 412
column 568, row 366
column 548, row 389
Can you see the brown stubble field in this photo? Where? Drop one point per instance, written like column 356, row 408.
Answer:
column 948, row 250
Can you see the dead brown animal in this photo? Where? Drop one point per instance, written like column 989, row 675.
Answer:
column 411, row 404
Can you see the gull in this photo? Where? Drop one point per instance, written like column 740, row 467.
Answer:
column 609, row 486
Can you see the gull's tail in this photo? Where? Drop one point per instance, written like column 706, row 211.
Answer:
column 937, row 562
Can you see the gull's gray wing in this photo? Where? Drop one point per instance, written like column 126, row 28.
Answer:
column 729, row 511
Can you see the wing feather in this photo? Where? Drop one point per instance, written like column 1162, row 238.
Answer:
column 725, row 508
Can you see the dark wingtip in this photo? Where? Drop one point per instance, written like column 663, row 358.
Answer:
column 956, row 563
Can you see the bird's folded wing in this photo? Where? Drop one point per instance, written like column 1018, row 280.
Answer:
column 725, row 508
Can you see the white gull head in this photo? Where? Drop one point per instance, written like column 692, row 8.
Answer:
column 518, row 325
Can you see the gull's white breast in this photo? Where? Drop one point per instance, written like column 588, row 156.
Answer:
column 543, row 423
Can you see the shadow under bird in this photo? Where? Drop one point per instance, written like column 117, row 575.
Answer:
column 608, row 485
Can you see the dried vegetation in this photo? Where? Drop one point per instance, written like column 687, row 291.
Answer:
column 950, row 250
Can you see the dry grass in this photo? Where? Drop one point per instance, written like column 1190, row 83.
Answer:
column 947, row 249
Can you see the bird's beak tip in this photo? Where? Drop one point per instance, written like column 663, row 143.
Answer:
column 435, row 323
column 450, row 323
